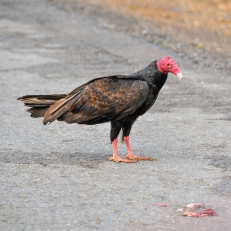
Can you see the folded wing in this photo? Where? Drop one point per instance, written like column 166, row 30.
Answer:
column 101, row 100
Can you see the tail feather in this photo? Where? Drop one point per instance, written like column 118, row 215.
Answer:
column 40, row 100
column 40, row 103
column 37, row 112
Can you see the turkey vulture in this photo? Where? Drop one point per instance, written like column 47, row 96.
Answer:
column 120, row 99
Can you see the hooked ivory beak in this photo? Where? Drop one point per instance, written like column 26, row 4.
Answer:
column 179, row 75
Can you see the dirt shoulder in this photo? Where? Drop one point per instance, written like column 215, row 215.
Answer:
column 198, row 30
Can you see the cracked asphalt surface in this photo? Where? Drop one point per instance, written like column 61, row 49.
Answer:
column 58, row 177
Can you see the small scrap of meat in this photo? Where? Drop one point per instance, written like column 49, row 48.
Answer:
column 159, row 205
column 197, row 210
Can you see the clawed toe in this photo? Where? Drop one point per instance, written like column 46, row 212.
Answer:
column 132, row 157
column 125, row 160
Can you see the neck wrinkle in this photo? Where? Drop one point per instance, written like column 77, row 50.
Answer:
column 160, row 68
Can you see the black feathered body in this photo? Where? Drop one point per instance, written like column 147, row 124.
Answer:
column 120, row 99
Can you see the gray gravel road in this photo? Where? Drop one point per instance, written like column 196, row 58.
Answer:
column 58, row 177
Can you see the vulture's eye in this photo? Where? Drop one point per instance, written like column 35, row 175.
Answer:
column 169, row 65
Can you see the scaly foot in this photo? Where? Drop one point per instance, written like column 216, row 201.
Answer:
column 129, row 155
column 119, row 159
column 132, row 157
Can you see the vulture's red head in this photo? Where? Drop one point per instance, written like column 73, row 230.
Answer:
column 167, row 64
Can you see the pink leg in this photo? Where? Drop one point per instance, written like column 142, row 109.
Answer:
column 130, row 154
column 115, row 157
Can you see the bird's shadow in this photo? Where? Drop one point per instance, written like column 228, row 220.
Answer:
column 87, row 160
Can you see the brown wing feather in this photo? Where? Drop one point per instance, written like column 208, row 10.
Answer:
column 59, row 108
column 106, row 99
